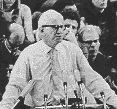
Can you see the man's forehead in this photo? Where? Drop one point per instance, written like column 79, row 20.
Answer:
column 55, row 21
column 71, row 22
column 90, row 37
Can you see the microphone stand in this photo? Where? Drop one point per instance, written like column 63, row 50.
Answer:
column 81, row 92
column 104, row 100
column 45, row 99
column 66, row 97
column 24, row 92
column 77, row 104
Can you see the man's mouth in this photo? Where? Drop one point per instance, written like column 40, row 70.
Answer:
column 92, row 52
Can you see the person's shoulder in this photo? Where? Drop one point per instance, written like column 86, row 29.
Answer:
column 32, row 48
column 67, row 43
column 102, row 57
column 24, row 7
column 70, row 45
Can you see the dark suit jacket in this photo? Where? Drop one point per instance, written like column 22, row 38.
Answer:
column 101, row 65
column 5, row 60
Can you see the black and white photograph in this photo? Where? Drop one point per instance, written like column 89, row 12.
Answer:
column 58, row 54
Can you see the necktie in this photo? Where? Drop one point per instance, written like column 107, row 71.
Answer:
column 56, row 70
column 56, row 78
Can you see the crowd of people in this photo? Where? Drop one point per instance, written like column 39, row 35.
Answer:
column 63, row 41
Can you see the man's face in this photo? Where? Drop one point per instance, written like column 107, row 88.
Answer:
column 71, row 25
column 54, row 32
column 9, row 3
column 90, row 47
column 72, row 7
column 101, row 4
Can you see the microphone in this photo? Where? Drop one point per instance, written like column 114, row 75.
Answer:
column 66, row 97
column 82, row 94
column 65, row 87
column 24, row 92
column 75, row 92
column 80, row 84
column 45, row 99
column 65, row 75
column 104, row 101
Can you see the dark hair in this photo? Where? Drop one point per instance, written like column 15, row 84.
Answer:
column 35, row 17
column 69, row 13
column 60, row 4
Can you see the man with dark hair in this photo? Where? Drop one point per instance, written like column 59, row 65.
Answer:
column 70, row 12
column 72, row 23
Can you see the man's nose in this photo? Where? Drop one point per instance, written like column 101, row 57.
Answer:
column 61, row 29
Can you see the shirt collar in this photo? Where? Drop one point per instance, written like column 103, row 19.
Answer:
column 46, row 48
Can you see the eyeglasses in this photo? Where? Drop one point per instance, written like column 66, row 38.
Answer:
column 89, row 43
column 54, row 26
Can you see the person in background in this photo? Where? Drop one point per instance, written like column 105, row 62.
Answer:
column 35, row 17
column 57, row 5
column 101, row 13
column 72, row 23
column 51, row 62
column 15, row 12
column 88, row 40
column 112, row 78
column 9, row 52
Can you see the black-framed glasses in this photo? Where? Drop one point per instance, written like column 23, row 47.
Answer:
column 54, row 26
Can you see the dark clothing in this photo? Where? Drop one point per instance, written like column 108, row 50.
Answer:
column 101, row 65
column 5, row 55
column 6, row 58
column 105, row 20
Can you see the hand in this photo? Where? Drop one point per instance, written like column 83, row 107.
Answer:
column 72, row 38
column 16, row 52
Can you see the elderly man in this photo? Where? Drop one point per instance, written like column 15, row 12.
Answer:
column 9, row 52
column 89, row 43
column 56, row 66
column 101, row 13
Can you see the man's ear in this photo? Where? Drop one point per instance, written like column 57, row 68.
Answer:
column 40, row 33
